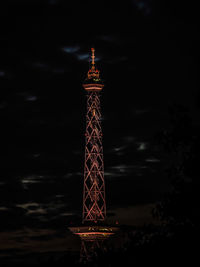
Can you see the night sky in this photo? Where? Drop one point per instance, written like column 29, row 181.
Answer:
column 147, row 52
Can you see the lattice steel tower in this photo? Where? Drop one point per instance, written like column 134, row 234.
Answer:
column 93, row 231
column 94, row 204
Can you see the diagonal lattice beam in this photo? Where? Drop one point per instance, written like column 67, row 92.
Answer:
column 94, row 205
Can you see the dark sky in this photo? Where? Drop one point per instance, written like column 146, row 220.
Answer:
column 148, row 55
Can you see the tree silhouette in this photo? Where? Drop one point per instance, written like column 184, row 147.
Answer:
column 181, row 145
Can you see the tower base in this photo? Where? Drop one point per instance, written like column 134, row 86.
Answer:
column 92, row 240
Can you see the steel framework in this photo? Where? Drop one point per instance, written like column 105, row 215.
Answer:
column 94, row 205
column 92, row 232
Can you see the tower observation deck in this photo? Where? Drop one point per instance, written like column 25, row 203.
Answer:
column 93, row 230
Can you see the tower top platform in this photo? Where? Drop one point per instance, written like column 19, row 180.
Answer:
column 93, row 81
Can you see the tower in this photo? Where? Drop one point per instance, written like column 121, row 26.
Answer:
column 94, row 204
column 93, row 230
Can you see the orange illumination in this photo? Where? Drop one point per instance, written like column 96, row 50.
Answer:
column 94, row 233
column 93, row 72
column 93, row 56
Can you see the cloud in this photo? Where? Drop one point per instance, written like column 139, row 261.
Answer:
column 52, row 209
column 127, row 168
column 28, row 96
column 37, row 211
column 31, row 98
column 2, row 73
column 120, row 168
column 75, row 50
column 152, row 160
column 34, row 179
column 142, row 146
column 32, row 208
column 83, row 56
column 122, row 149
column 86, row 57
column 28, row 205
column 129, row 139
column 59, row 196
column 143, row 5
column 30, row 180
column 71, row 49
column 123, row 170
column 117, row 149
column 3, row 208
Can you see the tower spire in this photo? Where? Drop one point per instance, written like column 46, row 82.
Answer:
column 93, row 71
column 93, row 58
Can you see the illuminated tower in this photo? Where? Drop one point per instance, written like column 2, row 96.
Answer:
column 93, row 230
column 94, row 204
